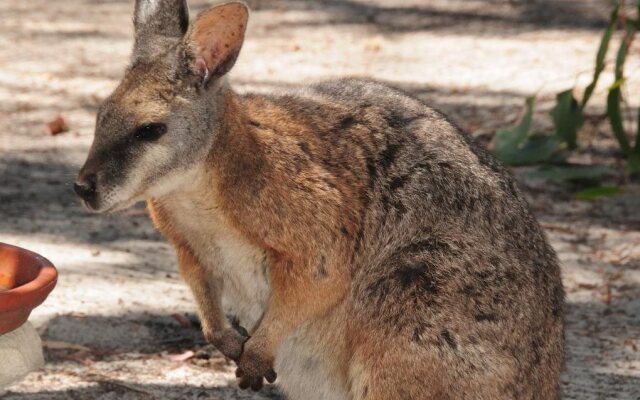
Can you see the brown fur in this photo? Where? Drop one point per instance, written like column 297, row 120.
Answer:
column 401, row 260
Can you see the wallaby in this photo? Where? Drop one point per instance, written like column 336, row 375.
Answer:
column 345, row 236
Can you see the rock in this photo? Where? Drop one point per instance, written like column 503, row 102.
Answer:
column 21, row 353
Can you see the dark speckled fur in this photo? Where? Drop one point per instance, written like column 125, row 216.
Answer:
column 449, row 258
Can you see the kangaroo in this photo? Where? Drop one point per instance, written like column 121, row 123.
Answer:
column 345, row 236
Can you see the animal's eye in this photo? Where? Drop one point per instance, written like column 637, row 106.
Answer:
column 150, row 132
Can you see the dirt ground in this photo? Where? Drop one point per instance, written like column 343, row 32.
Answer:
column 120, row 324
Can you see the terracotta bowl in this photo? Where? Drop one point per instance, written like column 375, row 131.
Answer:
column 29, row 279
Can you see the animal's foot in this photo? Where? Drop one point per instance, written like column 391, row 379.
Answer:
column 229, row 342
column 254, row 365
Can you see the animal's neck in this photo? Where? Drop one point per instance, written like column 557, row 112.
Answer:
column 229, row 178
column 234, row 137
column 236, row 161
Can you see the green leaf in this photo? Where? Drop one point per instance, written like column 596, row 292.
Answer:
column 615, row 119
column 620, row 58
column 572, row 173
column 614, row 98
column 617, row 84
column 600, row 57
column 510, row 138
column 597, row 192
column 633, row 164
column 567, row 118
column 536, row 149
column 630, row 31
column 514, row 146
column 637, row 145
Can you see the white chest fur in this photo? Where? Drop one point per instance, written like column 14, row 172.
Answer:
column 304, row 373
column 225, row 254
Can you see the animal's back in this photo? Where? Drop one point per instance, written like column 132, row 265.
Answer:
column 454, row 282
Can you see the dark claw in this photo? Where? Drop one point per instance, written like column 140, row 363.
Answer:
column 243, row 331
column 271, row 376
column 253, row 368
column 244, row 383
column 257, row 384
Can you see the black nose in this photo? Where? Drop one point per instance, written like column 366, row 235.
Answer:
column 85, row 187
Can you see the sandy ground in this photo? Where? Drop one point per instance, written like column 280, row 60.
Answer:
column 120, row 322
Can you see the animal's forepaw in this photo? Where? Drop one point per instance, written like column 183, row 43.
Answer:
column 229, row 342
column 254, row 366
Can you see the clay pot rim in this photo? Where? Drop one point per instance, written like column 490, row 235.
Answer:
column 43, row 283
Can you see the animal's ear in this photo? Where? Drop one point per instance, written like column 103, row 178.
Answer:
column 215, row 39
column 158, row 25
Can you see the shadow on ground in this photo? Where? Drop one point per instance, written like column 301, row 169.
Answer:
column 597, row 333
column 114, row 338
column 37, row 190
column 147, row 333
column 492, row 17
column 463, row 17
column 120, row 390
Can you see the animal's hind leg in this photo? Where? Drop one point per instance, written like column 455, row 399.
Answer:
column 411, row 338
column 401, row 371
column 388, row 373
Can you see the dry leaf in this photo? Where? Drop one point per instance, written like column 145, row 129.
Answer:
column 373, row 45
column 606, row 296
column 57, row 126
column 631, row 344
column 182, row 357
column 60, row 345
column 589, row 286
column 182, row 320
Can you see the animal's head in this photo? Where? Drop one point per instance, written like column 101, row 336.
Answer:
column 161, row 121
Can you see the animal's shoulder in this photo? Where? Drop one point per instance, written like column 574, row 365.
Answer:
column 350, row 111
column 338, row 106
column 355, row 95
